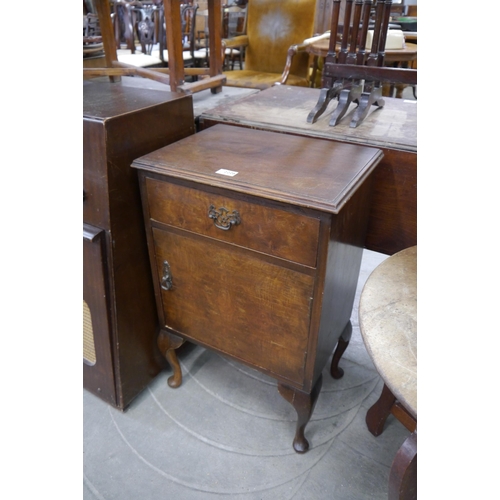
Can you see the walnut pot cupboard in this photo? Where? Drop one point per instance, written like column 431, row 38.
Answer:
column 255, row 241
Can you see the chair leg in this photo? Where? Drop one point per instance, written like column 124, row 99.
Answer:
column 366, row 101
column 325, row 96
column 335, row 371
column 346, row 97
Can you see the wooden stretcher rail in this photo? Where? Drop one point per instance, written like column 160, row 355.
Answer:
column 385, row 74
column 205, row 83
column 133, row 71
column 160, row 75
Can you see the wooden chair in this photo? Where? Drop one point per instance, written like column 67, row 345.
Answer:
column 201, row 27
column 189, row 16
column 274, row 52
column 352, row 73
column 123, row 24
column 174, row 75
column 190, row 55
column 135, row 23
column 92, row 39
column 234, row 23
column 146, row 22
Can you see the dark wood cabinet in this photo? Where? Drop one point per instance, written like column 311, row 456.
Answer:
column 120, row 321
column 255, row 241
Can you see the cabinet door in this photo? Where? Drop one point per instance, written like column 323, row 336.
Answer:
column 98, row 373
column 236, row 301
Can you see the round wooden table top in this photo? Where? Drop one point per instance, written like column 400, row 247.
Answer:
column 388, row 322
column 407, row 53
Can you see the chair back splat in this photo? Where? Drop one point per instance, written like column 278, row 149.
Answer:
column 186, row 35
column 146, row 22
column 348, row 46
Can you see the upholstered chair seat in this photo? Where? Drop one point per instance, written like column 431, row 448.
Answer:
column 256, row 79
column 138, row 59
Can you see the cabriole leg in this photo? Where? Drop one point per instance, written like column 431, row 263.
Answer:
column 342, row 344
column 304, row 405
column 168, row 342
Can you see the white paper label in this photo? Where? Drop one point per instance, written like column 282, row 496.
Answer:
column 229, row 173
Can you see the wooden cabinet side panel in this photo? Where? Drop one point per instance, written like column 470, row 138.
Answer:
column 138, row 359
column 98, row 378
column 236, row 302
column 345, row 251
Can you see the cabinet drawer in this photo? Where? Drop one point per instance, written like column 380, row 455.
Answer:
column 268, row 230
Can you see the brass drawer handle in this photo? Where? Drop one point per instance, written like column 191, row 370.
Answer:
column 223, row 219
column 166, row 281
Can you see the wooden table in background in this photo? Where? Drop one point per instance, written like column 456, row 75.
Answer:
column 393, row 129
column 410, row 36
column 406, row 54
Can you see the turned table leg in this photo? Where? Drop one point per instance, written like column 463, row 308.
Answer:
column 342, row 344
column 168, row 342
column 303, row 403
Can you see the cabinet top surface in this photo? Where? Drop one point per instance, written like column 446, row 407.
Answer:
column 103, row 100
column 303, row 171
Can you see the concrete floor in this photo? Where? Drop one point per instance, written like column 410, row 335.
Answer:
column 227, row 433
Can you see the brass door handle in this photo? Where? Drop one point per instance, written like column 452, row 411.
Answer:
column 166, row 280
column 223, row 219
